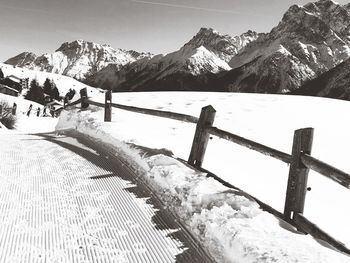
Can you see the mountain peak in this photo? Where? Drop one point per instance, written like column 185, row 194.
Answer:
column 321, row 6
column 76, row 44
column 323, row 16
column 203, row 35
column 207, row 30
column 223, row 46
column 22, row 60
column 317, row 8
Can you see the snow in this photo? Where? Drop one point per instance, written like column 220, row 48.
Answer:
column 231, row 226
column 284, row 51
column 195, row 60
column 25, row 124
column 305, row 48
column 63, row 83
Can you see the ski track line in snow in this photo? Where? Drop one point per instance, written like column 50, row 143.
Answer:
column 52, row 211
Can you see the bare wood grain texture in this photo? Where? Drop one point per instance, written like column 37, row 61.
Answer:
column 298, row 173
column 327, row 170
column 201, row 136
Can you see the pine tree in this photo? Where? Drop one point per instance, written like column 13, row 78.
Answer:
column 51, row 89
column 35, row 92
column 55, row 94
column 48, row 87
column 1, row 74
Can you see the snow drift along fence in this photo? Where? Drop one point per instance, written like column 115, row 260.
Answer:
column 300, row 160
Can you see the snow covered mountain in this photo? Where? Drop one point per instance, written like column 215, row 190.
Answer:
column 332, row 84
column 77, row 59
column 207, row 53
column 309, row 40
column 223, row 46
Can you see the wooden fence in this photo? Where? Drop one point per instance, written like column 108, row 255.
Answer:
column 12, row 110
column 300, row 160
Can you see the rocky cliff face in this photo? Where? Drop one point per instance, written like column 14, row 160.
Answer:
column 309, row 40
column 334, row 83
column 78, row 59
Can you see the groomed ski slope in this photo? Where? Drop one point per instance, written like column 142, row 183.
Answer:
column 63, row 201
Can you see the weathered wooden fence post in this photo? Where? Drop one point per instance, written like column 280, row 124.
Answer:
column 84, row 97
column 201, row 136
column 29, row 110
column 298, row 174
column 38, row 112
column 14, row 109
column 108, row 106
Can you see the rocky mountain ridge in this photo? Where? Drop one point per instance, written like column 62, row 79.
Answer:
column 78, row 59
column 332, row 84
column 309, row 40
column 206, row 53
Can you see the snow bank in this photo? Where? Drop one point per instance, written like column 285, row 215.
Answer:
column 229, row 225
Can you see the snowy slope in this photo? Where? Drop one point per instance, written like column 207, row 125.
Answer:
column 232, row 227
column 25, row 124
column 63, row 83
column 77, row 59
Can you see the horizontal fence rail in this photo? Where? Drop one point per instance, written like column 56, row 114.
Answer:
column 73, row 103
column 327, row 170
column 284, row 157
column 318, row 233
column 300, row 161
column 158, row 113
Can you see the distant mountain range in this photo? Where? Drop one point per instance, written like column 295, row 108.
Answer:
column 78, row 59
column 310, row 45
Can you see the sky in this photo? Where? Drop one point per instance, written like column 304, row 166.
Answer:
column 157, row 26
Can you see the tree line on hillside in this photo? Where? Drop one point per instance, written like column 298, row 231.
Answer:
column 37, row 92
